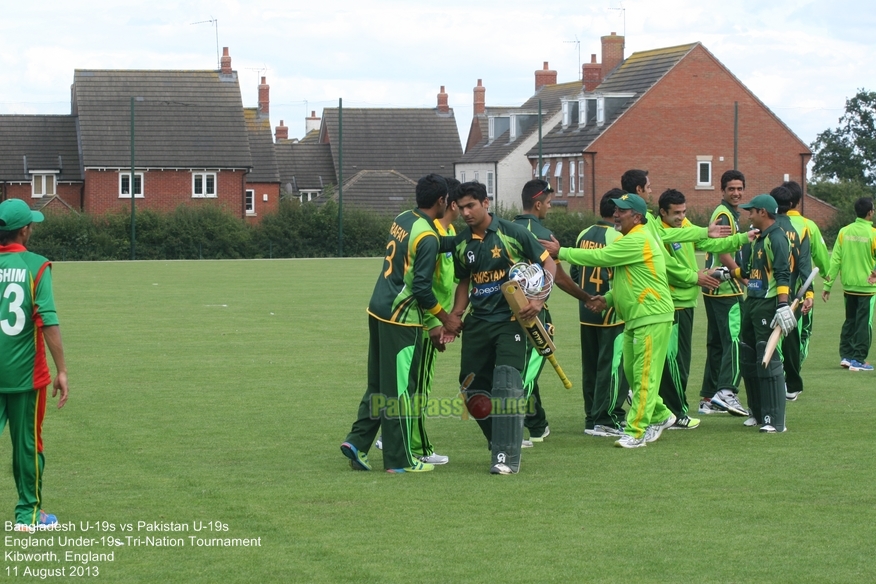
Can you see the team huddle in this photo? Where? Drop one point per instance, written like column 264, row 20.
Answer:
column 637, row 280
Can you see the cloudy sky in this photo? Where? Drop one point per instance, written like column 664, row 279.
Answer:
column 803, row 58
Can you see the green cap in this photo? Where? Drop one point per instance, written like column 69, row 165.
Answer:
column 15, row 214
column 634, row 202
column 765, row 202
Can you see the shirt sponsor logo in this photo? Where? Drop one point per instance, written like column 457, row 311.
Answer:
column 676, row 246
column 754, row 284
column 484, row 290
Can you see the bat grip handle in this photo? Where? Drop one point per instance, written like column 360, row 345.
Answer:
column 562, row 374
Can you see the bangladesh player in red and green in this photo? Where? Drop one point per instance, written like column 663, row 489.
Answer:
column 395, row 320
column 767, row 268
column 28, row 323
column 494, row 346
column 640, row 294
column 854, row 260
column 820, row 259
column 685, row 280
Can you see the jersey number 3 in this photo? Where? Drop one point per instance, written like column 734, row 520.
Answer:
column 14, row 324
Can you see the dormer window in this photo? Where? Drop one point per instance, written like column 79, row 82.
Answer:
column 491, row 134
column 567, row 114
column 600, row 111
column 43, row 184
column 512, row 131
column 582, row 112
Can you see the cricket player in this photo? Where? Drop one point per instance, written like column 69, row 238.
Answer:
column 395, row 320
column 494, row 347
column 640, row 294
column 768, row 272
column 854, row 259
column 28, row 323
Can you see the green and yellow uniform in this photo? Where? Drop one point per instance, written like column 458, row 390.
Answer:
column 854, row 258
column 536, row 418
column 602, row 380
column 723, row 318
column 801, row 268
column 640, row 294
column 443, row 284
column 402, row 294
column 491, row 336
column 820, row 259
column 682, row 275
column 26, row 307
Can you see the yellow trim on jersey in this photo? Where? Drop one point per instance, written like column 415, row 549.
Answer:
column 392, row 321
column 783, row 290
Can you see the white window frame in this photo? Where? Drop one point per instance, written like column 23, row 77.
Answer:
column 204, row 176
column 571, row 176
column 581, row 178
column 704, row 162
column 43, row 191
column 491, row 131
column 249, row 202
column 567, row 114
column 462, row 176
column 127, row 175
column 512, row 128
column 477, row 177
column 490, row 178
column 546, row 169
column 600, row 111
column 582, row 113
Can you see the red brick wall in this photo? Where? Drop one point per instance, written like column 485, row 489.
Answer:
column 164, row 190
column 261, row 207
column 819, row 211
column 70, row 193
column 690, row 113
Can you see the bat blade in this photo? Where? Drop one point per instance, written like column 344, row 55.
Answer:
column 776, row 335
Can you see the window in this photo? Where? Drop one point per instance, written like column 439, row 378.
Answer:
column 559, row 188
column 462, row 176
column 571, row 176
column 567, row 114
column 43, row 184
column 249, row 202
column 704, row 172
column 512, row 129
column 125, row 185
column 489, row 183
column 581, row 178
column 600, row 111
column 558, row 175
column 306, row 196
column 477, row 176
column 582, row 112
column 545, row 169
column 203, row 184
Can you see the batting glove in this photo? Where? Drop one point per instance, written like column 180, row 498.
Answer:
column 784, row 318
column 722, row 274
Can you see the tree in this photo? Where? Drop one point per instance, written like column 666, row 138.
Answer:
column 849, row 151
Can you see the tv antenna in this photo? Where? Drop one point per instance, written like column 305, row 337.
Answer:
column 624, row 14
column 215, row 23
column 578, row 43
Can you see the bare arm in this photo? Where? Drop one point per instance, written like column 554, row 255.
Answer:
column 568, row 285
column 52, row 335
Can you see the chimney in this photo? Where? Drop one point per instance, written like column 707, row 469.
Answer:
column 225, row 68
column 544, row 77
column 480, row 107
column 311, row 123
column 591, row 74
column 612, row 52
column 443, row 108
column 281, row 132
column 264, row 99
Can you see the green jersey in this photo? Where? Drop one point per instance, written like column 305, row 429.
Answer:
column 639, row 290
column 444, row 282
column 595, row 280
column 26, row 306
column 404, row 287
column 817, row 247
column 854, row 258
column 768, row 265
column 724, row 214
column 801, row 254
column 486, row 261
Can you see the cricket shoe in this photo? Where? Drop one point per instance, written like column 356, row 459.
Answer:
column 501, row 469
column 858, row 366
column 685, row 423
column 627, row 441
column 416, row 467
column 770, row 429
column 652, row 432
column 844, row 363
column 727, row 400
column 526, row 444
column 45, row 522
column 379, row 444
column 545, row 434
column 358, row 459
column 792, row 395
column 434, row 458
column 707, row 407
column 604, row 431
column 750, row 422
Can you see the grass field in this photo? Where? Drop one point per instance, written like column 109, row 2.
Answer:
column 220, row 391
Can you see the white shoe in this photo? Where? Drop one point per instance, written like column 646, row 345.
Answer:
column 379, row 444
column 750, row 422
column 652, row 432
column 434, row 458
column 627, row 441
column 500, row 468
column 526, row 444
column 547, row 432
column 770, row 429
column 606, row 431
column 728, row 400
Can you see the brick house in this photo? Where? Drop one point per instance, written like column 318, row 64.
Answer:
column 499, row 138
column 673, row 112
column 306, row 166
column 194, row 144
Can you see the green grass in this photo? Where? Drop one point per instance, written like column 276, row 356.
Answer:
column 220, row 391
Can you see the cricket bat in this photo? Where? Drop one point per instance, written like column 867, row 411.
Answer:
column 776, row 336
column 534, row 328
column 462, row 387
